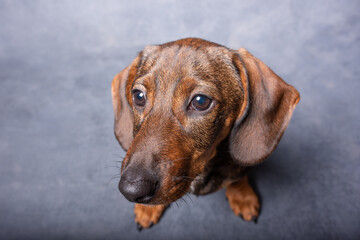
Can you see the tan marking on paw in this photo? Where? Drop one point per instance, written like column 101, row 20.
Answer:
column 243, row 200
column 147, row 215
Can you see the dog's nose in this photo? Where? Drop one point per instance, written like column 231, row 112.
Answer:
column 137, row 187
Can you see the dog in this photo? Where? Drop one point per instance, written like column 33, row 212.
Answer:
column 193, row 116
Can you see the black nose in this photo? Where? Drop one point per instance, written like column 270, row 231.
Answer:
column 137, row 187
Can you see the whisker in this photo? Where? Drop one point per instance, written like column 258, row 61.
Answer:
column 185, row 202
column 169, row 199
column 113, row 177
column 189, row 196
column 185, row 177
column 112, row 167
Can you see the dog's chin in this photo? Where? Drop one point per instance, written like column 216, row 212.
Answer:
column 167, row 196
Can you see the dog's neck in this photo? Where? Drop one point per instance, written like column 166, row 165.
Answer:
column 219, row 172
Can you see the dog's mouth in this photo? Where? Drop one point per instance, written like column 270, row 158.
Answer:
column 145, row 181
column 166, row 195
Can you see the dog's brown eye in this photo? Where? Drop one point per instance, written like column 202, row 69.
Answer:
column 139, row 98
column 200, row 102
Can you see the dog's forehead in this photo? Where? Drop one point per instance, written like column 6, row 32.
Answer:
column 186, row 54
column 173, row 62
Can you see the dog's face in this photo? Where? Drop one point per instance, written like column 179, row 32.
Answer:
column 182, row 106
column 173, row 105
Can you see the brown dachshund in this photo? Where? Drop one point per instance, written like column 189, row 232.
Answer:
column 193, row 116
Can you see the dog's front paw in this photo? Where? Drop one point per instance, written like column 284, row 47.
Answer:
column 243, row 200
column 148, row 215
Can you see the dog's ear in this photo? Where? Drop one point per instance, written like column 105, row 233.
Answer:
column 123, row 127
column 265, row 114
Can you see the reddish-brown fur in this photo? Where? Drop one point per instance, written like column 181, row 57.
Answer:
column 251, row 109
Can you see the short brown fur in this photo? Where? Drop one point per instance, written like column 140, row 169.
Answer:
column 199, row 152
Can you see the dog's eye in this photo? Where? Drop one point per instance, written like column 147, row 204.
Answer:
column 200, row 103
column 139, row 98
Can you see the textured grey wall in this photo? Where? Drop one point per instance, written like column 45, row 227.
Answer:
column 57, row 149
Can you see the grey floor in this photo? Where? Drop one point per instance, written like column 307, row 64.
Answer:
column 58, row 152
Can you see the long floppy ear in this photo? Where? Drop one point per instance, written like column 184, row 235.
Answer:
column 268, row 106
column 123, row 127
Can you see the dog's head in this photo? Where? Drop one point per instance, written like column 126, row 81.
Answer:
column 176, row 102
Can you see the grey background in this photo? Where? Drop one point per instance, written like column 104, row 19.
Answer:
column 58, row 152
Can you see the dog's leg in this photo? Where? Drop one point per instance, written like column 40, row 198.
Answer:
column 243, row 200
column 148, row 215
